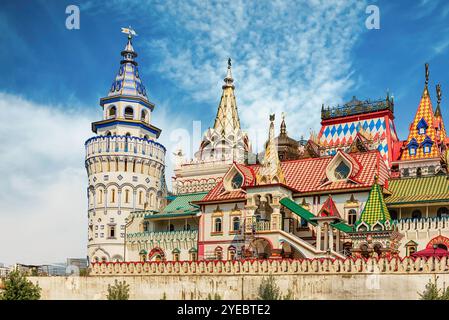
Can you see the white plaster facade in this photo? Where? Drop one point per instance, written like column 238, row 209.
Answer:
column 125, row 163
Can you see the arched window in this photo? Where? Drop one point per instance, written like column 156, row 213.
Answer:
column 100, row 196
column 140, row 197
column 231, row 253
column 193, row 254
column 418, row 172
column 112, row 195
column 394, row 214
column 405, row 172
column 126, row 196
column 218, row 253
column 416, row 214
column 112, row 112
column 143, row 115
column 352, row 217
column 443, row 212
column 217, row 225
column 176, row 253
column 129, row 113
column 237, row 181
column 171, row 227
column 235, row 224
column 341, row 171
column 112, row 232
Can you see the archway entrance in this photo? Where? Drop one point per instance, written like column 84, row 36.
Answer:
column 290, row 252
column 438, row 242
column 261, row 248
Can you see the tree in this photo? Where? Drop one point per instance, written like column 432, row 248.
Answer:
column 215, row 296
column 119, row 291
column 432, row 292
column 269, row 290
column 17, row 287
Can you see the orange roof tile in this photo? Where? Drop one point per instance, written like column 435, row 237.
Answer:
column 425, row 111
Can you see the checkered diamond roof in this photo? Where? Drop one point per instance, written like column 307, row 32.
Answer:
column 375, row 208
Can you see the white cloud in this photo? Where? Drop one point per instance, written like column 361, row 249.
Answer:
column 43, row 212
column 42, row 192
column 288, row 57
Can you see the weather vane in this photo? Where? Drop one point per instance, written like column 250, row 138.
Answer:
column 129, row 31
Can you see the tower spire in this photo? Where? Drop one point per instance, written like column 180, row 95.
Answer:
column 127, row 82
column 228, row 81
column 426, row 66
column 270, row 171
column 438, row 110
column 128, row 53
column 227, row 119
column 283, row 126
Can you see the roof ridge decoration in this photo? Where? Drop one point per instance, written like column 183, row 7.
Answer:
column 329, row 209
column 421, row 127
column 375, row 210
column 270, row 170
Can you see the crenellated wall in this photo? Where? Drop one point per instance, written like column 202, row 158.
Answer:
column 305, row 279
column 407, row 265
column 421, row 231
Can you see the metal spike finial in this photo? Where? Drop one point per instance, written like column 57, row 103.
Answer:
column 427, row 73
column 439, row 93
column 229, row 62
column 272, row 117
column 283, row 126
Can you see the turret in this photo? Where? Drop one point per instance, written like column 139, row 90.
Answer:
column 125, row 164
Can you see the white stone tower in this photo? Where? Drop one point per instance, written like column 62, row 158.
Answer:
column 125, row 164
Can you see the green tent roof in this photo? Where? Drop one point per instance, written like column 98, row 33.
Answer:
column 375, row 208
column 182, row 203
column 418, row 190
column 307, row 215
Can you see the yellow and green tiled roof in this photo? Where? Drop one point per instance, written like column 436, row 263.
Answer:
column 182, row 203
column 375, row 208
column 418, row 190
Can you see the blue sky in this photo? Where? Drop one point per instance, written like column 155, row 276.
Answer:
column 288, row 56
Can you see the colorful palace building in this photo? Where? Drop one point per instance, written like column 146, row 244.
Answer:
column 354, row 189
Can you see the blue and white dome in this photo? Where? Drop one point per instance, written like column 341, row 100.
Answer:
column 127, row 81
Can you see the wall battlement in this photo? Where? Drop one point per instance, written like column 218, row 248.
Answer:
column 422, row 224
column 407, row 265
